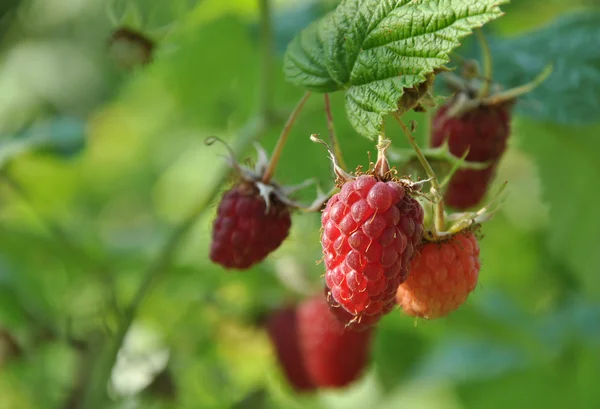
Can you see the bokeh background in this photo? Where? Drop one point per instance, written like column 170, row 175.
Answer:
column 107, row 192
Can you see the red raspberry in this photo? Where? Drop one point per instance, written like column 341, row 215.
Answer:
column 441, row 277
column 334, row 356
column 282, row 329
column 485, row 130
column 244, row 232
column 370, row 231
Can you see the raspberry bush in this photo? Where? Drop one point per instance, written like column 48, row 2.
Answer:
column 443, row 255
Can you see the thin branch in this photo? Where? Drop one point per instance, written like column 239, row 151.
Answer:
column 335, row 146
column 285, row 133
column 436, row 190
column 487, row 63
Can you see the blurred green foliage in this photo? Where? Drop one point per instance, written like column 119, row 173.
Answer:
column 100, row 166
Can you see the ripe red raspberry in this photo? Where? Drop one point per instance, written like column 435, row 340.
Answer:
column 334, row 356
column 483, row 130
column 442, row 275
column 245, row 232
column 370, row 231
column 282, row 328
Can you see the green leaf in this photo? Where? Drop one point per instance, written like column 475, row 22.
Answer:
column 570, row 94
column 567, row 161
column 305, row 61
column 377, row 49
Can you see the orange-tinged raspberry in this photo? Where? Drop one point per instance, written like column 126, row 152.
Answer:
column 442, row 275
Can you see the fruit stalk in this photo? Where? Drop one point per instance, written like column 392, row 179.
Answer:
column 520, row 90
column 285, row 133
column 487, row 64
column 335, row 146
column 439, row 223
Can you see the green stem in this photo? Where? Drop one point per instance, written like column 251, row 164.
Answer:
column 285, row 133
column 440, row 223
column 520, row 90
column 405, row 157
column 487, row 64
column 428, row 128
column 335, row 146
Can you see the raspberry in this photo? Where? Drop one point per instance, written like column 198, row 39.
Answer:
column 441, row 277
column 370, row 231
column 283, row 333
column 468, row 187
column 245, row 232
column 483, row 130
column 334, row 356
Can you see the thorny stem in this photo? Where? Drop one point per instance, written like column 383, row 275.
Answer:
column 487, row 63
column 335, row 146
column 283, row 138
column 440, row 223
